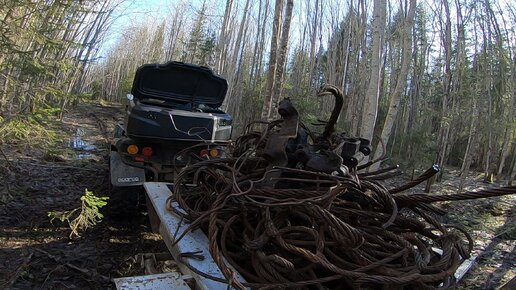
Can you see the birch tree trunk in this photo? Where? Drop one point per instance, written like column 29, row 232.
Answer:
column 370, row 107
column 444, row 130
column 396, row 94
column 232, row 73
column 472, row 136
column 509, row 134
column 282, row 57
column 276, row 30
column 222, row 45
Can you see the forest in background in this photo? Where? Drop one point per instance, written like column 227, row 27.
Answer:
column 435, row 81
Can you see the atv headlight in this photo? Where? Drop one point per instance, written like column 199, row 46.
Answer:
column 224, row 122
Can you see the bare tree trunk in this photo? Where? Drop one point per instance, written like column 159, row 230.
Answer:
column 472, row 136
column 444, row 130
column 346, row 52
column 370, row 108
column 223, row 43
column 175, row 29
column 513, row 170
column 509, row 132
column 313, row 41
column 489, row 151
column 280, row 66
column 358, row 68
column 276, row 34
column 253, row 69
column 262, row 45
column 396, row 94
column 235, row 56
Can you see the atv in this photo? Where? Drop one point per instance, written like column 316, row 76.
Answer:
column 173, row 120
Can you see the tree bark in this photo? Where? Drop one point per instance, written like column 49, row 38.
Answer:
column 444, row 130
column 313, row 40
column 282, row 57
column 261, row 46
column 510, row 129
column 395, row 98
column 472, row 136
column 370, row 108
column 232, row 74
column 223, row 43
column 276, row 34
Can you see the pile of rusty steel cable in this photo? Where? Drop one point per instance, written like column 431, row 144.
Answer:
column 286, row 213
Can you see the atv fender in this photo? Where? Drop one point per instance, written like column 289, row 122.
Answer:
column 123, row 175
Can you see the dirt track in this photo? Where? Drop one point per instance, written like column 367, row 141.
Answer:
column 36, row 254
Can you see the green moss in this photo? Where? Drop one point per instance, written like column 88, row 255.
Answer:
column 30, row 130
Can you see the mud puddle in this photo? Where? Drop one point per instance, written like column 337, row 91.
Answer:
column 85, row 149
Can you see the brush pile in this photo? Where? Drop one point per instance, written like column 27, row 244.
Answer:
column 288, row 213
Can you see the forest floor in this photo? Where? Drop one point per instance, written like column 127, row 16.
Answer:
column 37, row 253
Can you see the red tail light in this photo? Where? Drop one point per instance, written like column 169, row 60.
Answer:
column 204, row 153
column 147, row 151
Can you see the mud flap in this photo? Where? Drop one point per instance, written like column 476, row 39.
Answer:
column 123, row 175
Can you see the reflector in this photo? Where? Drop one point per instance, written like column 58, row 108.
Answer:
column 132, row 149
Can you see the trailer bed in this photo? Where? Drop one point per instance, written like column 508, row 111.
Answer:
column 171, row 226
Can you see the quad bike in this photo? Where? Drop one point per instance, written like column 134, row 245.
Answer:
column 173, row 120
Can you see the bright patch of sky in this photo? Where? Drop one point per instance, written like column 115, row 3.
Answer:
column 132, row 12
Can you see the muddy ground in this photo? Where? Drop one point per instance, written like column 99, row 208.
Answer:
column 38, row 254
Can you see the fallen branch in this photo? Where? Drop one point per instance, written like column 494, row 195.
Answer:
column 90, row 273
column 17, row 272
column 57, row 166
column 6, row 159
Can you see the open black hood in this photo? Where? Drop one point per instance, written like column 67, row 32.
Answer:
column 179, row 82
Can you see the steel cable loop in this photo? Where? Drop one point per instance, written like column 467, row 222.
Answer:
column 314, row 230
column 426, row 175
column 379, row 171
column 483, row 193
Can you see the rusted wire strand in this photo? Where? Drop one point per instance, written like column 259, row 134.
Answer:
column 483, row 193
column 426, row 175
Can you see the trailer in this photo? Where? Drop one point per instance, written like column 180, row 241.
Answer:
column 191, row 253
